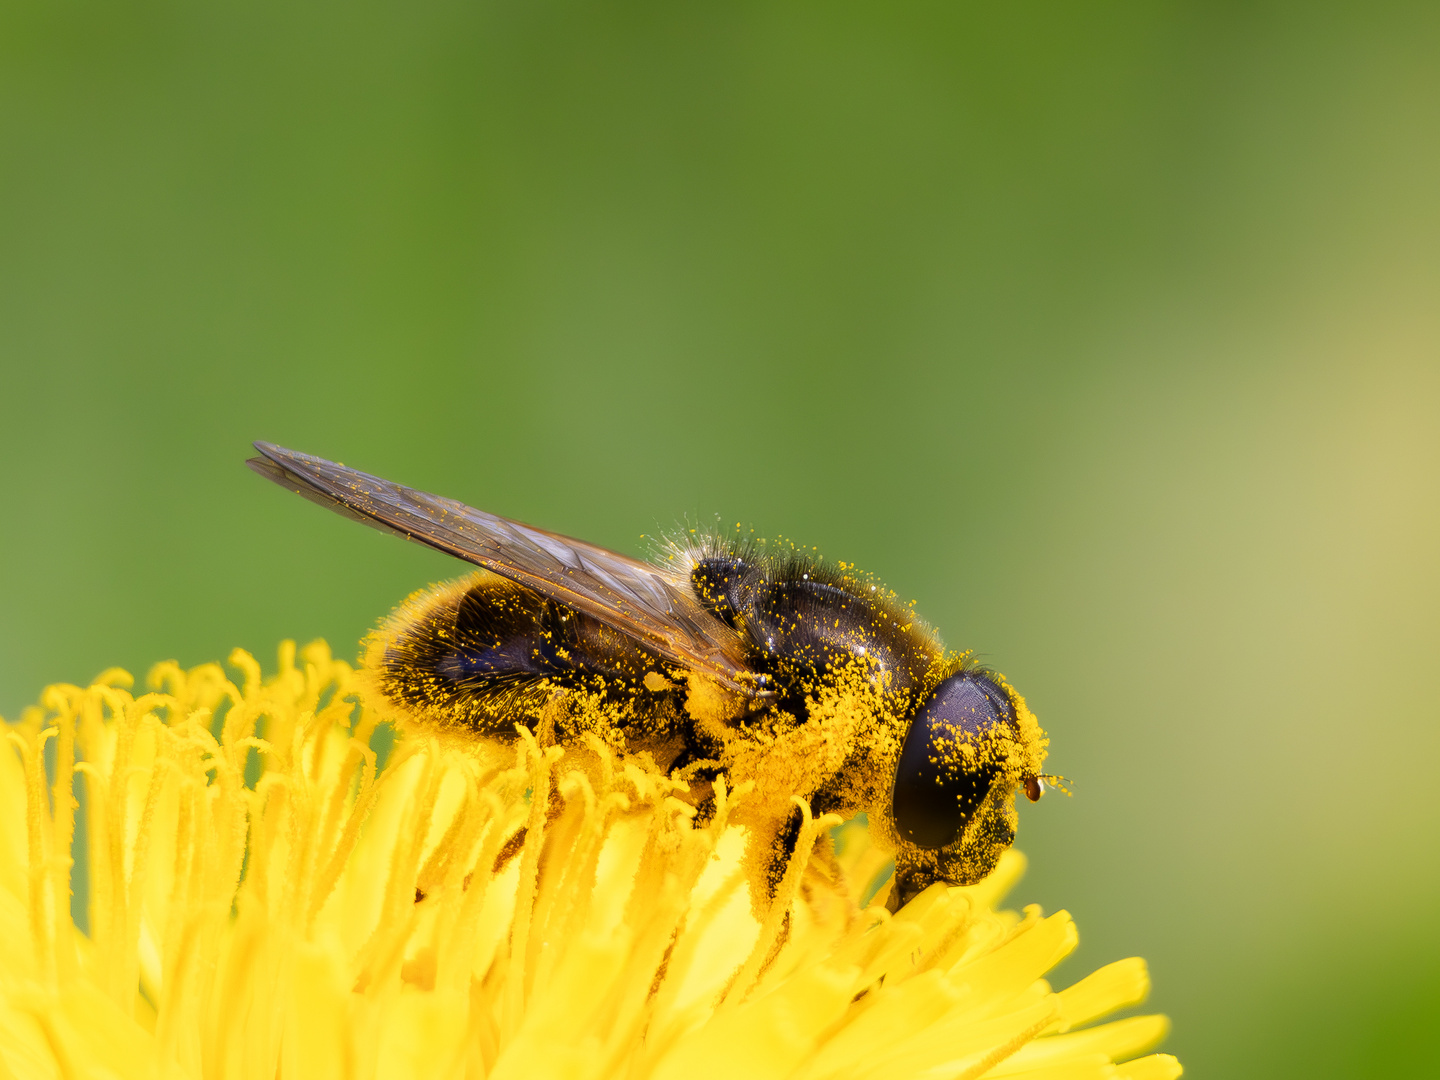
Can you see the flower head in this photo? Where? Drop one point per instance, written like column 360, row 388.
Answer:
column 265, row 901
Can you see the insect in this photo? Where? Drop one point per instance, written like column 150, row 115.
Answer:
column 722, row 656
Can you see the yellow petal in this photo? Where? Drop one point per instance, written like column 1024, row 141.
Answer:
column 1154, row 1067
column 317, row 1034
column 765, row 1038
column 1114, row 986
column 1118, row 1040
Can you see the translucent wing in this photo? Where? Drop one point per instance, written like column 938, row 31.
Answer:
column 634, row 597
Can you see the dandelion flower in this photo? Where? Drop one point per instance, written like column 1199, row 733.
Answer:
column 265, row 902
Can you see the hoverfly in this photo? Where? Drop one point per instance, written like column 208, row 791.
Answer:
column 722, row 656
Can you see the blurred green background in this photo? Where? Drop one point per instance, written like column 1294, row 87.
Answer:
column 1110, row 334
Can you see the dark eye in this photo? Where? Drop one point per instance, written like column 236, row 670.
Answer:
column 947, row 764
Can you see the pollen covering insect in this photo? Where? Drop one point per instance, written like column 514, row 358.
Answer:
column 722, row 657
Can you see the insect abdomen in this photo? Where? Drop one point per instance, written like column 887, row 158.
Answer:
column 485, row 652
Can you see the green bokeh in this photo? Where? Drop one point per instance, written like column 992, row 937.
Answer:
column 1109, row 334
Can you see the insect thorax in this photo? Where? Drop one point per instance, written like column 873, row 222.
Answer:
column 804, row 618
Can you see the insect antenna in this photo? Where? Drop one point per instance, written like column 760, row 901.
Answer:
column 1059, row 783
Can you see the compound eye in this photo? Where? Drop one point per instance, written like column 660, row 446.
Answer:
column 948, row 763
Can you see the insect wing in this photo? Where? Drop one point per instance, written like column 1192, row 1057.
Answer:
column 633, row 597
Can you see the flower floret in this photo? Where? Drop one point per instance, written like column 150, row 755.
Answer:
column 273, row 892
